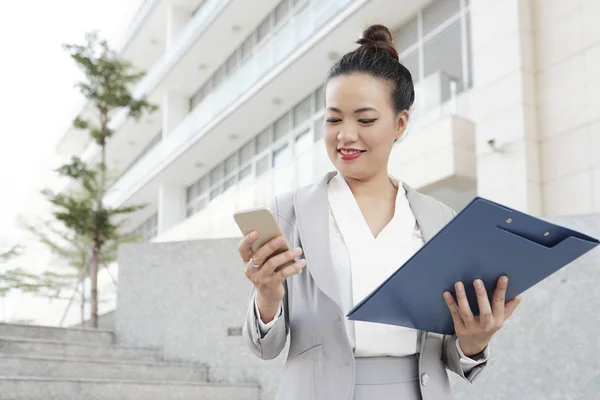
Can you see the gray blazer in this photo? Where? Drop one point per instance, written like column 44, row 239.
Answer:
column 320, row 361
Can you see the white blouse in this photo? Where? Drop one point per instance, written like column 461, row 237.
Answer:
column 362, row 261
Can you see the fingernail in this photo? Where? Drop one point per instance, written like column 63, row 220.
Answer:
column 478, row 283
column 504, row 280
column 253, row 235
column 459, row 286
column 279, row 241
column 446, row 296
column 297, row 251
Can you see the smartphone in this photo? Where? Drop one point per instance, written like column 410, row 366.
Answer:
column 262, row 221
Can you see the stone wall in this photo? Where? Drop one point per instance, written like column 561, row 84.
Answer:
column 190, row 298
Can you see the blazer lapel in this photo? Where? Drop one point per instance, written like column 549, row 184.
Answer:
column 312, row 217
column 430, row 221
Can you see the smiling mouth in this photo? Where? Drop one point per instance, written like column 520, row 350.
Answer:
column 349, row 152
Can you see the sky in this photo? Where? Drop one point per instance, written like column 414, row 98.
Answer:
column 37, row 106
column 37, row 98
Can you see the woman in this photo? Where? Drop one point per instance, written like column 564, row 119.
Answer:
column 354, row 228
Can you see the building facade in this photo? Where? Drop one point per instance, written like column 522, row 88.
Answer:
column 504, row 106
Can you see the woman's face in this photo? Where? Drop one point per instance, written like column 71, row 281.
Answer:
column 360, row 125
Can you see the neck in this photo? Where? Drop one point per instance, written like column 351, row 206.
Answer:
column 379, row 186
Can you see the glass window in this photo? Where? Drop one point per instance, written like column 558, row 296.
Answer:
column 247, row 47
column 231, row 164
column 216, row 175
column 438, row 12
column 202, row 185
column 281, row 12
column 407, row 35
column 232, row 62
column 263, row 140
column 229, row 183
column 282, row 126
column 303, row 142
column 411, row 62
column 191, row 193
column 443, row 53
column 220, row 75
column 247, row 152
column 320, row 97
column 264, row 28
column 245, row 173
column 318, row 127
column 216, row 192
column 262, row 165
column 302, row 111
column 282, row 156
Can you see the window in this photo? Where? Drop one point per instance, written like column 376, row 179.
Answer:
column 263, row 140
column 263, row 29
column 302, row 111
column 247, row 47
column 439, row 53
column 229, row 183
column 303, row 142
column 320, row 97
column 318, row 127
column 216, row 192
column 262, row 165
column 247, row 152
column 411, row 62
column 438, row 12
column 282, row 156
column 231, row 164
column 406, row 36
column 216, row 174
column 232, row 62
column 282, row 126
column 281, row 12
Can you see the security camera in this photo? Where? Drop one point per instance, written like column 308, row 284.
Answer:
column 492, row 144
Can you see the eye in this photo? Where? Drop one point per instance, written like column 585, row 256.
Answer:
column 367, row 121
column 332, row 120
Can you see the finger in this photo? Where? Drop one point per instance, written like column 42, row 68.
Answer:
column 463, row 304
column 281, row 260
column 485, row 309
column 290, row 270
column 453, row 307
column 511, row 306
column 245, row 247
column 499, row 298
column 267, row 250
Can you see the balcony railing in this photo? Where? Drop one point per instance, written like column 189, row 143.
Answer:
column 238, row 87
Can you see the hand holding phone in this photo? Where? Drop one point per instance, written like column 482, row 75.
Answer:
column 265, row 245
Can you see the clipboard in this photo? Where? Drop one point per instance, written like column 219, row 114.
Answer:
column 485, row 240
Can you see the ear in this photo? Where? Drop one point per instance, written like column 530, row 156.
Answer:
column 401, row 123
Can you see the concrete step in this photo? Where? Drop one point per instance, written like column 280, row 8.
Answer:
column 84, row 335
column 17, row 388
column 53, row 348
column 60, row 367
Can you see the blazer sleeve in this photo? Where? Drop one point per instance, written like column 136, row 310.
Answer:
column 450, row 354
column 269, row 346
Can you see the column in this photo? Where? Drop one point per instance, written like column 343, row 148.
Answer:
column 171, row 206
column 504, row 103
column 175, row 107
column 177, row 19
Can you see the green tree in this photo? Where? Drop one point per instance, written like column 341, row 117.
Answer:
column 106, row 86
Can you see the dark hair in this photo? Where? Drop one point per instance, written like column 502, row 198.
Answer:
column 378, row 57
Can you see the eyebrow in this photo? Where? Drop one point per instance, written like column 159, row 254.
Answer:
column 358, row 111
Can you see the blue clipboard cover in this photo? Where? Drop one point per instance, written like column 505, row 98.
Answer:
column 485, row 240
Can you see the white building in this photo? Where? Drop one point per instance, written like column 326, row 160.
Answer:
column 505, row 105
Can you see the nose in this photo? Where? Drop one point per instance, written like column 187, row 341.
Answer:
column 347, row 134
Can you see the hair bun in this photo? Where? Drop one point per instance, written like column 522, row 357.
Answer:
column 378, row 38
